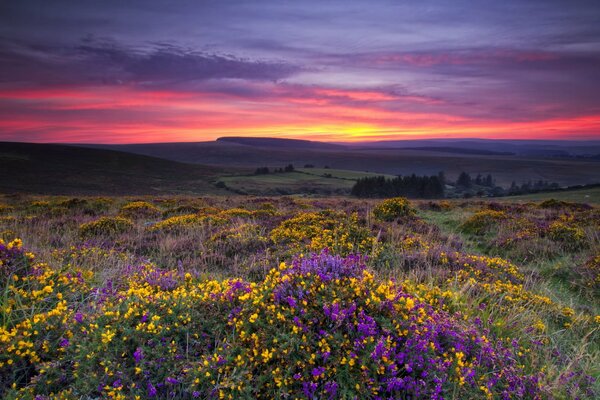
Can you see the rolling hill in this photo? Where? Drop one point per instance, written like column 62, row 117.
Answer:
column 62, row 169
column 384, row 160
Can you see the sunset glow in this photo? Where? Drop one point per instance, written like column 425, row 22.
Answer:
column 311, row 80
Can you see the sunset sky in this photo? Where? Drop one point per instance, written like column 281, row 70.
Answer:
column 165, row 71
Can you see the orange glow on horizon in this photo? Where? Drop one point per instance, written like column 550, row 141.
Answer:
column 128, row 115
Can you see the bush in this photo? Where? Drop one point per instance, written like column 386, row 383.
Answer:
column 483, row 221
column 189, row 221
column 4, row 209
column 105, row 226
column 391, row 209
column 139, row 209
column 572, row 237
column 336, row 231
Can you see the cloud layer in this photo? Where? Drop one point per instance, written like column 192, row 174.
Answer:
column 340, row 70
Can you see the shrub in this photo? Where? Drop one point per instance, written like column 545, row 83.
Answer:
column 326, row 229
column 243, row 238
column 182, row 209
column 482, row 221
column 236, row 212
column 559, row 204
column 188, row 221
column 105, row 226
column 391, row 209
column 73, row 203
column 139, row 209
column 4, row 209
column 572, row 237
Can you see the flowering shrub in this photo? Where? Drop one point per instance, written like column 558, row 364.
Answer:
column 138, row 209
column 319, row 327
column 482, row 221
column 241, row 238
column 237, row 212
column 587, row 276
column 326, row 229
column 570, row 236
column 391, row 209
column 188, row 221
column 105, row 226
column 4, row 209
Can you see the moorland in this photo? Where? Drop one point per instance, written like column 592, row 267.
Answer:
column 289, row 297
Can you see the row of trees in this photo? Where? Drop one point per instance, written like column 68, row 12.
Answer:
column 426, row 187
column 266, row 170
column 465, row 181
column 532, row 187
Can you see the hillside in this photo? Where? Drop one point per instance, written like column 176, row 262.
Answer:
column 280, row 143
column 61, row 169
column 504, row 168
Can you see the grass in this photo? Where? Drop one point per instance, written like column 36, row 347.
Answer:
column 591, row 196
column 321, row 181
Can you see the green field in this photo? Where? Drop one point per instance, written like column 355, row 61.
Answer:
column 303, row 180
column 591, row 196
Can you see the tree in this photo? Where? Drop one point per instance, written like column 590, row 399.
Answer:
column 464, row 180
column 489, row 181
column 428, row 187
column 442, row 177
column 261, row 171
column 479, row 180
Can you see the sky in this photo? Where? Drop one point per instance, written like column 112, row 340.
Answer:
column 117, row 71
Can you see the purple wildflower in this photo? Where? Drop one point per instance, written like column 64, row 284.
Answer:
column 138, row 355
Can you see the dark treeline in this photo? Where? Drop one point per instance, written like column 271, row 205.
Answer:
column 266, row 170
column 425, row 187
column 532, row 187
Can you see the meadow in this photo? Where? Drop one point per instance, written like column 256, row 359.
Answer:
column 319, row 181
column 172, row 297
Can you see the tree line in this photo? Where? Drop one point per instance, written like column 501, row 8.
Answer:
column 266, row 170
column 413, row 186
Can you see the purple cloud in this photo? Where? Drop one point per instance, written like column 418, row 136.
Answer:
column 107, row 62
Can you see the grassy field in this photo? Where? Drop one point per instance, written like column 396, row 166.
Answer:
column 322, row 181
column 591, row 196
column 245, row 297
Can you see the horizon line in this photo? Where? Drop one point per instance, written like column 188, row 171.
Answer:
column 312, row 141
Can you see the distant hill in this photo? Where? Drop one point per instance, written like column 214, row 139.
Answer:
column 64, row 169
column 524, row 148
column 385, row 160
column 280, row 143
column 459, row 150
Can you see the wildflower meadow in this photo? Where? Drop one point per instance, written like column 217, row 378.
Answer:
column 181, row 297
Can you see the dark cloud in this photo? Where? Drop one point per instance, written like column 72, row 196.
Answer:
column 107, row 62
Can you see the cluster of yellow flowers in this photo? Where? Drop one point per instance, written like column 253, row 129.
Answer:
column 482, row 221
column 391, row 209
column 105, row 226
column 569, row 235
column 188, row 221
column 139, row 209
column 314, row 231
